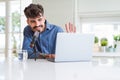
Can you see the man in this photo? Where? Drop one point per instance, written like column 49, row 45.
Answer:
column 46, row 40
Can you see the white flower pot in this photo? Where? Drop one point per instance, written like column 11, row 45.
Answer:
column 103, row 49
column 118, row 46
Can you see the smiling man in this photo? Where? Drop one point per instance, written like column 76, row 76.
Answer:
column 47, row 32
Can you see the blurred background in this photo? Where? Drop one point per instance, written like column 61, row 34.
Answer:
column 100, row 17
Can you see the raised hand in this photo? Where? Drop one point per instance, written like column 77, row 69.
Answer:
column 70, row 28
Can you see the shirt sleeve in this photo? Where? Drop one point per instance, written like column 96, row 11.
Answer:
column 60, row 29
column 26, row 43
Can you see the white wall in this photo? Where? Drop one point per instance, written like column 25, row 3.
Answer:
column 58, row 12
column 98, row 5
column 62, row 11
column 89, row 10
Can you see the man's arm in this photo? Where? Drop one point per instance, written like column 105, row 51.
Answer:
column 26, row 43
column 70, row 28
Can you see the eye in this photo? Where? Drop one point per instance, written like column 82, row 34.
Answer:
column 40, row 19
column 32, row 21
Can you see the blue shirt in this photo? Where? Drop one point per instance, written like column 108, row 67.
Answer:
column 46, row 41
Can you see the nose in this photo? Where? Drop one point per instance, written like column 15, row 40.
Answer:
column 37, row 23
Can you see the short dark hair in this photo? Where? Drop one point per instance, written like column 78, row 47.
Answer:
column 33, row 10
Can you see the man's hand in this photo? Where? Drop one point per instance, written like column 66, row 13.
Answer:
column 50, row 56
column 45, row 56
column 70, row 28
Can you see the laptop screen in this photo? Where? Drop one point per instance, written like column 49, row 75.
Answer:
column 74, row 47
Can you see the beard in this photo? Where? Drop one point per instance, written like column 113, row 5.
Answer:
column 35, row 28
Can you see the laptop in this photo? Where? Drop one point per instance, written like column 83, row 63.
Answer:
column 72, row 47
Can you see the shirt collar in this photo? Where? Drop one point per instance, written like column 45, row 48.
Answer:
column 48, row 27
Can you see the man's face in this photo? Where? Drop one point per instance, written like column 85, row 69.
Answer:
column 37, row 23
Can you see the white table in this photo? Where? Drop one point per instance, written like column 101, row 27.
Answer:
column 97, row 69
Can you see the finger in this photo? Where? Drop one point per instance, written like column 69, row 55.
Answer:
column 47, row 56
column 53, row 56
column 74, row 29
column 50, row 55
column 70, row 26
column 67, row 27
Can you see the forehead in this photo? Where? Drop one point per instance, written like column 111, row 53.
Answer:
column 38, row 17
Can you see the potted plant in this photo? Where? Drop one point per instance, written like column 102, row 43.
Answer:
column 117, row 42
column 111, row 48
column 96, row 45
column 104, row 43
column 96, row 40
column 117, row 37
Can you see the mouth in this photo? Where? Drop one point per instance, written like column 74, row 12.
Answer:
column 37, row 26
